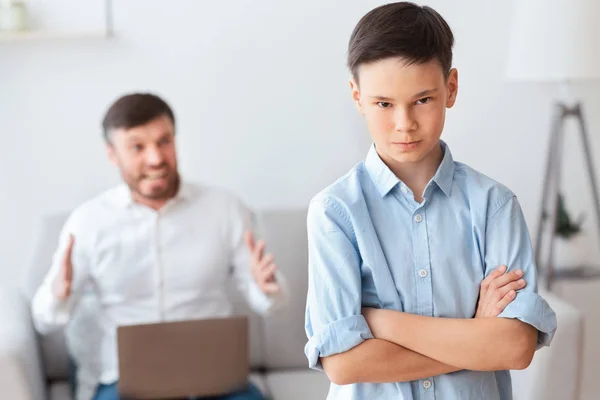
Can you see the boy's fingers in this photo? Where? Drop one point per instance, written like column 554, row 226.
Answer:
column 485, row 283
column 515, row 285
column 501, row 305
column 507, row 278
column 495, row 274
column 500, row 270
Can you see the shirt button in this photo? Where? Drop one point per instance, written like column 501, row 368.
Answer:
column 426, row 384
column 418, row 218
column 404, row 189
column 422, row 273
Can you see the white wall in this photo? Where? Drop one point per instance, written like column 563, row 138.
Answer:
column 260, row 90
column 261, row 93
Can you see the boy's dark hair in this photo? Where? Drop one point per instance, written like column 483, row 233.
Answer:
column 415, row 33
column 134, row 110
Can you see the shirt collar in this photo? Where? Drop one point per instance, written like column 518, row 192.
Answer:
column 383, row 177
column 385, row 180
column 444, row 175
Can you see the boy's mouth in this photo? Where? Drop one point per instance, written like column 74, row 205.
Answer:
column 408, row 145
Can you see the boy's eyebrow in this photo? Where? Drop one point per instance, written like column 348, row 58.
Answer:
column 382, row 98
column 425, row 93
column 420, row 94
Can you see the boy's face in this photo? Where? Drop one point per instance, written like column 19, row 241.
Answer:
column 405, row 107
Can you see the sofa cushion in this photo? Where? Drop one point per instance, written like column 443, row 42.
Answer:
column 301, row 384
column 285, row 233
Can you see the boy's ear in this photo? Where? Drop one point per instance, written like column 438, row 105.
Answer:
column 452, row 84
column 356, row 95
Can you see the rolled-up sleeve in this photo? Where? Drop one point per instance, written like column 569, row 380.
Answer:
column 508, row 243
column 334, row 323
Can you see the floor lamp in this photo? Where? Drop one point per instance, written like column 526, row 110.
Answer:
column 558, row 41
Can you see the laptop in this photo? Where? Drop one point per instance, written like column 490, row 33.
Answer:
column 183, row 359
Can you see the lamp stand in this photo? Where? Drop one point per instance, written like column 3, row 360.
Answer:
column 550, row 193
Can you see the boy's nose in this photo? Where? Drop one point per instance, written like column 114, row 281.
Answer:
column 404, row 121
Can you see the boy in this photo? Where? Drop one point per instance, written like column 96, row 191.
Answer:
column 403, row 249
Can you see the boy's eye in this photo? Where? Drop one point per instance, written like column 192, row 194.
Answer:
column 383, row 104
column 424, row 100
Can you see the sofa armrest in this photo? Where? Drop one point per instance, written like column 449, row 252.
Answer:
column 21, row 375
column 555, row 372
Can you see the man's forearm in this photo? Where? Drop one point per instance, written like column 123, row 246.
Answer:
column 380, row 361
column 485, row 344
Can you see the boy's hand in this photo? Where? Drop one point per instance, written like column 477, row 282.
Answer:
column 497, row 291
column 61, row 286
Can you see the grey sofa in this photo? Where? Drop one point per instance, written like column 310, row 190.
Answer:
column 33, row 367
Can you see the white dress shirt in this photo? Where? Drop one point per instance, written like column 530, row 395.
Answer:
column 146, row 266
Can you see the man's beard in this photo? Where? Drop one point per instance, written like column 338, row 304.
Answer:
column 173, row 182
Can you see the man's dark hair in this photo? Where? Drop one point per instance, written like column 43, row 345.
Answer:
column 417, row 34
column 134, row 110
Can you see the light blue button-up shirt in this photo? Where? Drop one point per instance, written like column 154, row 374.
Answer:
column 371, row 244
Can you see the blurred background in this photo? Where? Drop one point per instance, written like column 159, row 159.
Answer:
column 261, row 94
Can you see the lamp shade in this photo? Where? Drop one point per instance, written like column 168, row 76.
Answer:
column 554, row 40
